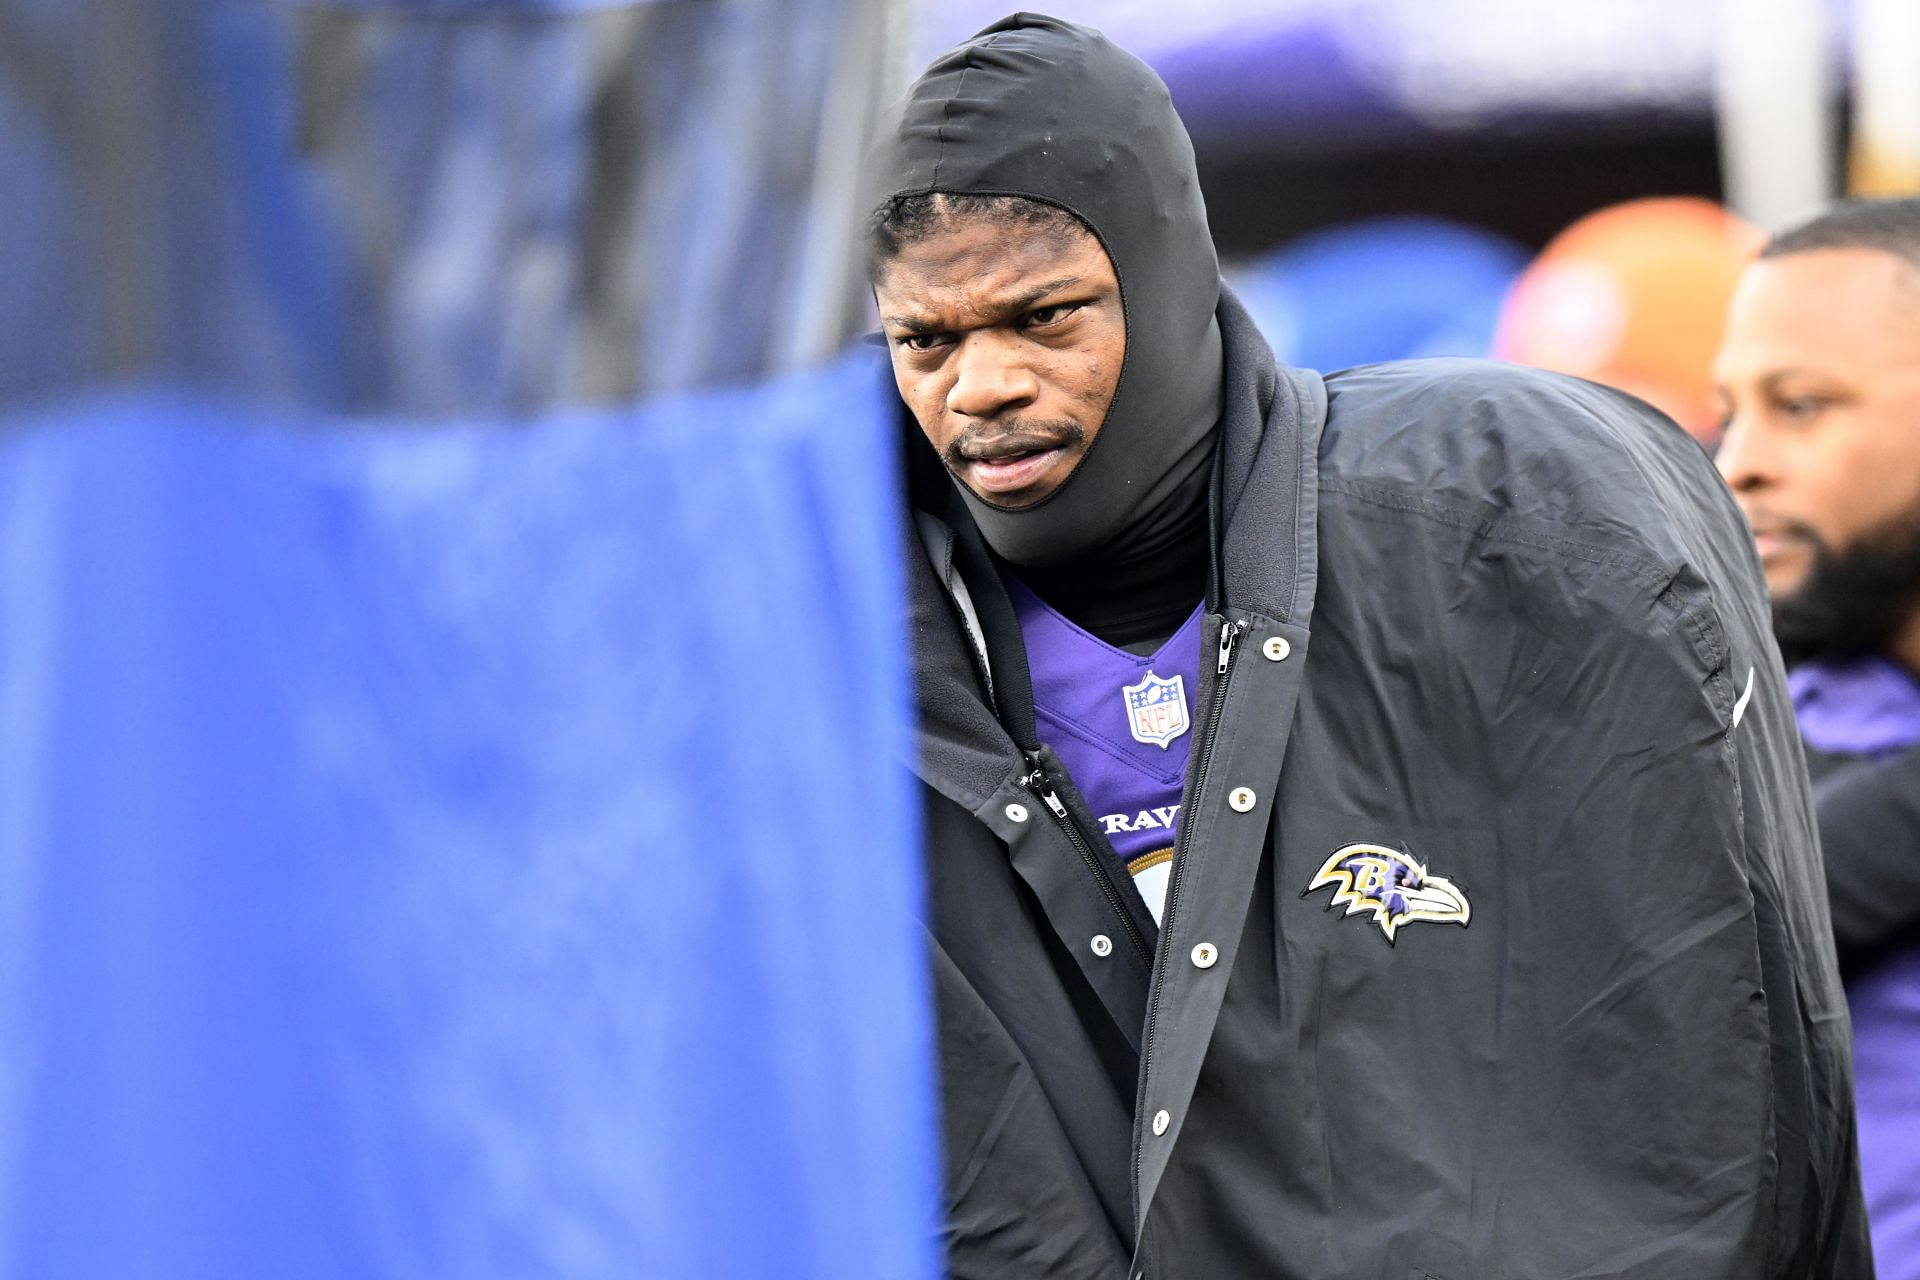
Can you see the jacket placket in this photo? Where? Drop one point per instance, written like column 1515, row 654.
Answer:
column 1225, row 823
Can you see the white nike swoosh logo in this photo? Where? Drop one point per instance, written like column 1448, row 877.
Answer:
column 1740, row 706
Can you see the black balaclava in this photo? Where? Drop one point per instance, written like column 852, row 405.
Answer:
column 1037, row 107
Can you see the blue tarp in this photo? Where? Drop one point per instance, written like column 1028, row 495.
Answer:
column 450, row 820
column 478, row 852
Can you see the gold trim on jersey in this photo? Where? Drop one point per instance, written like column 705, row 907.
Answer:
column 1148, row 861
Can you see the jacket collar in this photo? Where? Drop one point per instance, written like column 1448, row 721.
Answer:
column 1263, row 505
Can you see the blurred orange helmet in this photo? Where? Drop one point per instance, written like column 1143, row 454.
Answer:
column 1635, row 296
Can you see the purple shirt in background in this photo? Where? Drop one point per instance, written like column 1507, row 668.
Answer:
column 1866, row 707
column 1123, row 725
column 1870, row 707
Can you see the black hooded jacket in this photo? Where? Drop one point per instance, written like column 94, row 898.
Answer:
column 1525, row 643
column 1470, row 628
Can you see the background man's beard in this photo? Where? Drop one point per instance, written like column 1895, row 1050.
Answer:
column 1854, row 602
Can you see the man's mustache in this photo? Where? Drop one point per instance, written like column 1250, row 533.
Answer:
column 1763, row 521
column 985, row 440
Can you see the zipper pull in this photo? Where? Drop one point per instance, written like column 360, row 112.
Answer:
column 1038, row 783
column 1229, row 632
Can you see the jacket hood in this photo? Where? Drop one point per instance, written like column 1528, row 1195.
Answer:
column 1036, row 107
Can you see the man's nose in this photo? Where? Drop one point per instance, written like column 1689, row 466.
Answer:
column 989, row 378
column 1747, row 459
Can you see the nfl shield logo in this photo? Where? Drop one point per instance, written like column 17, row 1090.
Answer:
column 1157, row 710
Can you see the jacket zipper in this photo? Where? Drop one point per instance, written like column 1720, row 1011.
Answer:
column 1038, row 783
column 1209, row 728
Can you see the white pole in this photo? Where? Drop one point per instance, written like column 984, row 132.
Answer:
column 1885, row 159
column 1775, row 95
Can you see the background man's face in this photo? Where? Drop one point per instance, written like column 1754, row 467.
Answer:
column 1007, row 342
column 1819, row 376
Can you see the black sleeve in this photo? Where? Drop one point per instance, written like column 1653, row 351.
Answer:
column 1870, row 836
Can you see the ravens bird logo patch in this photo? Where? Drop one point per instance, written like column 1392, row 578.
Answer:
column 1390, row 884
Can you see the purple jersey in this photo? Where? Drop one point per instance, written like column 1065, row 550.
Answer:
column 1866, row 707
column 1123, row 724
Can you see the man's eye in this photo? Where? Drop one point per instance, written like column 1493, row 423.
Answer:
column 920, row 341
column 1802, row 407
column 1049, row 315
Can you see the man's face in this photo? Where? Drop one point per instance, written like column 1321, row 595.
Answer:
column 1007, row 342
column 1819, row 377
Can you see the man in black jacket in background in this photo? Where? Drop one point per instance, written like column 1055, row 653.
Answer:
column 1366, row 832
column 1820, row 380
